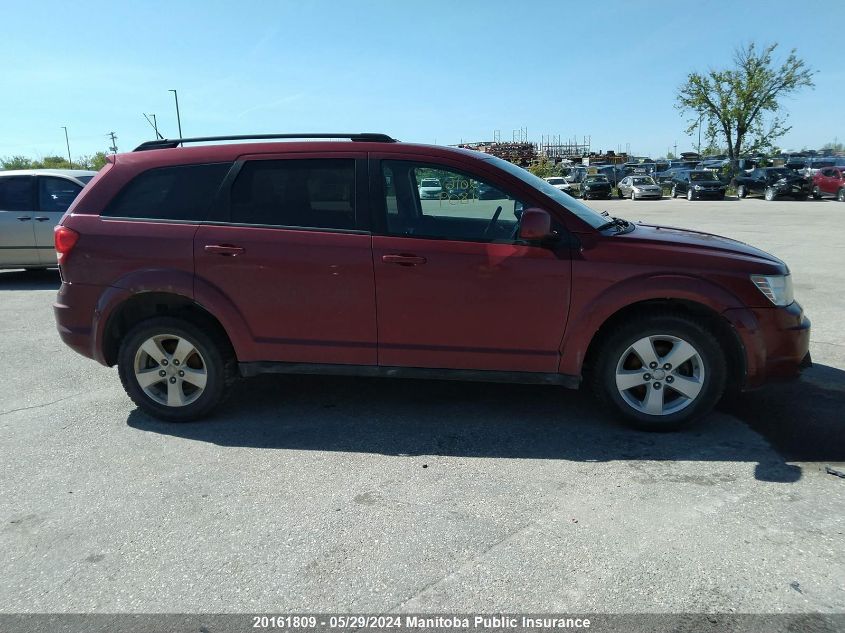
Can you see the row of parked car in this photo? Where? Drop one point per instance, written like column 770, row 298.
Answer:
column 768, row 182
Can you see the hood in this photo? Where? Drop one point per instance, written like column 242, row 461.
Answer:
column 685, row 243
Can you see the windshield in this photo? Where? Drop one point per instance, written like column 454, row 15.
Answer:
column 430, row 183
column 573, row 205
column 778, row 173
column 700, row 175
column 643, row 180
column 596, row 178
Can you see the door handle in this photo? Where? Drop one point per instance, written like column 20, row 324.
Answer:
column 224, row 249
column 404, row 260
column 24, row 218
column 41, row 218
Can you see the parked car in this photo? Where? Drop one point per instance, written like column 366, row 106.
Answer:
column 347, row 275
column 576, row 174
column 430, row 188
column 559, row 182
column 32, row 202
column 830, row 181
column 595, row 186
column 697, row 184
column 670, row 174
column 814, row 165
column 639, row 187
column 772, row 183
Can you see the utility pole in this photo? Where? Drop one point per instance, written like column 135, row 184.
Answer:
column 178, row 118
column 676, row 148
column 67, row 142
column 153, row 122
column 113, row 147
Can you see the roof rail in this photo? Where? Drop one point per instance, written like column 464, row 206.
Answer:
column 167, row 143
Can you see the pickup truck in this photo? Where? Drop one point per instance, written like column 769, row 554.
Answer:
column 772, row 183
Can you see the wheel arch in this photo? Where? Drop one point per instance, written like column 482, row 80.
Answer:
column 145, row 305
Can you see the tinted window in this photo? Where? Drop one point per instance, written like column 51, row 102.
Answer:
column 467, row 208
column 183, row 192
column 16, row 194
column 56, row 194
column 317, row 193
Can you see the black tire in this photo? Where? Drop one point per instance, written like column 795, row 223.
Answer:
column 214, row 351
column 840, row 195
column 817, row 194
column 602, row 373
column 674, row 192
column 769, row 194
column 741, row 192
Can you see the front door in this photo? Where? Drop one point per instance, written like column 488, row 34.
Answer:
column 455, row 289
column 17, row 210
column 293, row 255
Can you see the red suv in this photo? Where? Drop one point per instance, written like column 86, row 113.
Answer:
column 830, row 181
column 190, row 266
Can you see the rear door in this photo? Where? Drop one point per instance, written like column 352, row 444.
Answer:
column 455, row 289
column 293, row 254
column 54, row 197
column 17, row 210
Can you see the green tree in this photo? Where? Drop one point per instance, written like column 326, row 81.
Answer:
column 16, row 162
column 741, row 106
column 543, row 168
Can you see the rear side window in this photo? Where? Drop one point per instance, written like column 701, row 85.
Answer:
column 16, row 193
column 182, row 192
column 313, row 193
column 56, row 194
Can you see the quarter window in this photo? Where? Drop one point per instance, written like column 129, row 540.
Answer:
column 459, row 207
column 56, row 194
column 182, row 192
column 314, row 193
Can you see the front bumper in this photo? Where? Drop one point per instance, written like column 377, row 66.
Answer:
column 648, row 195
column 776, row 342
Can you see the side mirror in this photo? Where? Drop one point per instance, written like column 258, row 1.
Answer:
column 535, row 224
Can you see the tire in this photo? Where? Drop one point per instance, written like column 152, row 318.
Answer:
column 703, row 374
column 817, row 194
column 619, row 193
column 690, row 195
column 840, row 195
column 741, row 192
column 209, row 360
column 632, row 195
column 770, row 194
column 674, row 192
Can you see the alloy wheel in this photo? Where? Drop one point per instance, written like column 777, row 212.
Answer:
column 660, row 375
column 170, row 370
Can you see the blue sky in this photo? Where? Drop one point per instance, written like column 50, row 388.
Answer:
column 432, row 71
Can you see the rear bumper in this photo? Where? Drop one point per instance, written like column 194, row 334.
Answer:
column 776, row 342
column 81, row 311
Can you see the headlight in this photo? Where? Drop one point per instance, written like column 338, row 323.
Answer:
column 697, row 187
column 777, row 288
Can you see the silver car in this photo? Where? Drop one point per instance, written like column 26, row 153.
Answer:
column 32, row 202
column 638, row 187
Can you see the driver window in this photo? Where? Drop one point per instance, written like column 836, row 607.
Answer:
column 425, row 200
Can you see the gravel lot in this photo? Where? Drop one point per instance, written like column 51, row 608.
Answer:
column 325, row 494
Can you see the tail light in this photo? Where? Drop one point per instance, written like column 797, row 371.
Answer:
column 65, row 240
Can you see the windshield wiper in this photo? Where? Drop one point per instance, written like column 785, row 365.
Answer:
column 614, row 222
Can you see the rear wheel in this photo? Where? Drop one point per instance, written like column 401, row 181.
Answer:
column 660, row 372
column 817, row 194
column 770, row 194
column 741, row 191
column 173, row 370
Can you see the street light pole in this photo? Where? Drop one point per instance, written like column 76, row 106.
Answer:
column 67, row 142
column 178, row 119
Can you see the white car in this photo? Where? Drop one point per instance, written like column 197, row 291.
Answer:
column 32, row 202
column 430, row 189
column 559, row 182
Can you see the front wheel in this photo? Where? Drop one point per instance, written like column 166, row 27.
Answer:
column 674, row 192
column 690, row 195
column 770, row 194
column 817, row 194
column 840, row 195
column 633, row 197
column 741, row 191
column 660, row 372
column 173, row 370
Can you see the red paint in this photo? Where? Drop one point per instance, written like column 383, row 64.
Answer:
column 365, row 298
